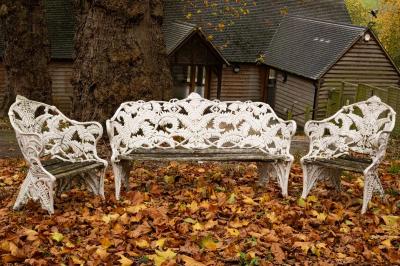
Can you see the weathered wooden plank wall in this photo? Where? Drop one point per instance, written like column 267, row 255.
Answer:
column 242, row 86
column 61, row 73
column 295, row 93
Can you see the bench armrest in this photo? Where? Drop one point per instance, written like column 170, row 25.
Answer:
column 287, row 134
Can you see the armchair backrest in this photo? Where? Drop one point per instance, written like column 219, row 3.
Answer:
column 60, row 137
column 354, row 128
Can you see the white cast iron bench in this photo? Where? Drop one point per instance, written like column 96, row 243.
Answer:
column 56, row 149
column 353, row 139
column 198, row 129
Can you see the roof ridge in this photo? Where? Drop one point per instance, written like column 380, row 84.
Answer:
column 328, row 22
column 185, row 23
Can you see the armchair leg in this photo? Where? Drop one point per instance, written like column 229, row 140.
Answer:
column 312, row 172
column 121, row 173
column 36, row 189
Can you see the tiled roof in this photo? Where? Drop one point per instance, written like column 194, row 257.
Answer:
column 246, row 39
column 308, row 47
column 175, row 33
column 251, row 34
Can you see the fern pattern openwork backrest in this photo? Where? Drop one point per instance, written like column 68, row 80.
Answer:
column 354, row 128
column 60, row 136
column 198, row 123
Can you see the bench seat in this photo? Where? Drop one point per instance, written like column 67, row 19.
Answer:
column 213, row 154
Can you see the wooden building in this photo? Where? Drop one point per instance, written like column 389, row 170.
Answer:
column 287, row 53
column 311, row 57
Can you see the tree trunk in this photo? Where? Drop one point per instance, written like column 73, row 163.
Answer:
column 27, row 51
column 120, row 56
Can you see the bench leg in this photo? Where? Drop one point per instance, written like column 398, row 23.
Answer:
column 263, row 172
column 121, row 173
column 279, row 170
column 95, row 181
column 371, row 184
column 37, row 189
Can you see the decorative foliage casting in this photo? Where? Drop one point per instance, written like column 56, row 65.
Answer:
column 196, row 123
column 361, row 128
column 43, row 131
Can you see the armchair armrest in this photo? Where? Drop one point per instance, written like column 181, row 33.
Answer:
column 324, row 145
column 71, row 140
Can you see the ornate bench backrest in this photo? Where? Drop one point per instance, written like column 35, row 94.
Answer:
column 354, row 128
column 198, row 123
column 58, row 135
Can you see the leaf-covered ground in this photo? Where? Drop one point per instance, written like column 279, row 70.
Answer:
column 202, row 214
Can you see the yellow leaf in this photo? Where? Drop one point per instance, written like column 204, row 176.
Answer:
column 110, row 217
column 205, row 204
column 160, row 242
column 232, row 199
column 168, row 254
column 124, row 218
column 101, row 252
column 305, row 246
column 387, row 243
column 190, row 261
column 208, row 243
column 57, row 236
column 344, row 228
column 248, row 200
column 161, row 256
column 105, row 243
column 190, row 220
column 301, row 202
column 320, row 216
column 193, row 207
column 125, row 261
column 169, row 179
column 118, row 229
column 312, row 198
column 69, row 245
column 272, row 217
column 210, row 224
column 341, row 255
column 77, row 260
column 198, row 227
column 142, row 243
column 238, row 223
column 135, row 209
column 32, row 235
column 233, row 231
column 391, row 220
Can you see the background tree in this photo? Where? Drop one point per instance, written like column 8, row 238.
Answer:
column 27, row 51
column 120, row 55
column 120, row 51
column 388, row 22
column 383, row 17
